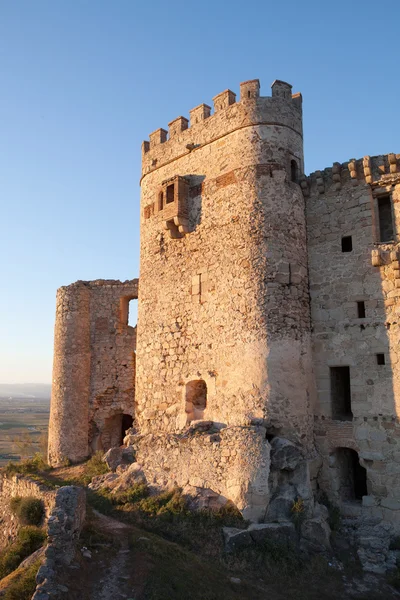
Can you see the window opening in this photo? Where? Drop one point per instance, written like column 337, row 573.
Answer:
column 386, row 232
column 361, row 309
column 341, row 393
column 347, row 243
column 294, row 170
column 196, row 399
column 127, row 422
column 380, row 359
column 352, row 476
column 132, row 312
column 160, row 201
column 170, row 193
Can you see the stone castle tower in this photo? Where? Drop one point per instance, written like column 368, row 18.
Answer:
column 267, row 319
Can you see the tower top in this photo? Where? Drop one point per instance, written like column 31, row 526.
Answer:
column 282, row 109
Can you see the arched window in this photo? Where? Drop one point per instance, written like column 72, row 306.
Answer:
column 294, row 174
column 196, row 399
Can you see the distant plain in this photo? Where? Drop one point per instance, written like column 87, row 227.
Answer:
column 24, row 418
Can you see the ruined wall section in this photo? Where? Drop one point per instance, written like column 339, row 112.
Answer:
column 19, row 486
column 113, row 345
column 226, row 300
column 233, row 463
column 93, row 371
column 342, row 202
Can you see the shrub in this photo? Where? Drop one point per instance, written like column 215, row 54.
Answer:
column 23, row 586
column 134, row 494
column 28, row 540
column 29, row 510
column 36, row 464
column 298, row 512
column 93, row 467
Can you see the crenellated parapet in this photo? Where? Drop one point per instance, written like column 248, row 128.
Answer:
column 381, row 170
column 281, row 109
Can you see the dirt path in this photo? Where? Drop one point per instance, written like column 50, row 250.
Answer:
column 113, row 582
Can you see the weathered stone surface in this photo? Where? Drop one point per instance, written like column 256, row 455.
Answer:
column 315, row 535
column 280, row 507
column 236, row 538
column 275, row 532
column 284, row 454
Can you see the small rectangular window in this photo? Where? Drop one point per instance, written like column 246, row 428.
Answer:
column 361, row 310
column 380, row 359
column 341, row 393
column 386, row 232
column 347, row 243
column 170, row 193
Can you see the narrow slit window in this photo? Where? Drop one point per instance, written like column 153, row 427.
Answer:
column 347, row 243
column 160, row 201
column 170, row 193
column 341, row 393
column 380, row 359
column 361, row 309
column 386, row 231
column 294, row 171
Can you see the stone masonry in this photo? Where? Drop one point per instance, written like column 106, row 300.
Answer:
column 268, row 306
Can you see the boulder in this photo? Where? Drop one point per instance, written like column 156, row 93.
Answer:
column 280, row 507
column 315, row 535
column 275, row 532
column 200, row 425
column 133, row 475
column 236, row 538
column 284, row 454
column 103, row 481
column 113, row 457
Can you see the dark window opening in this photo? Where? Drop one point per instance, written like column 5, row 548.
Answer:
column 248, row 94
column 341, row 393
column 347, row 243
column 351, row 475
column 170, row 193
column 386, row 232
column 293, row 171
column 127, row 422
column 361, row 309
column 380, row 359
column 196, row 399
column 160, row 201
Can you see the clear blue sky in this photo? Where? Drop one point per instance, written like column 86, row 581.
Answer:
column 83, row 82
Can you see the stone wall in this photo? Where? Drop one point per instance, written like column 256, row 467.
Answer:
column 63, row 529
column 22, row 486
column 224, row 294
column 343, row 202
column 233, row 462
column 94, row 368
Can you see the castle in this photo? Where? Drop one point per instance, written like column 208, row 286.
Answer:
column 267, row 310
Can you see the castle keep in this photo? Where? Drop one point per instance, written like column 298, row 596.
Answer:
column 267, row 319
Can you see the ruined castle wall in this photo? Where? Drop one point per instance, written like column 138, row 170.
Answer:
column 19, row 486
column 94, row 368
column 233, row 463
column 113, row 344
column 227, row 302
column 342, row 203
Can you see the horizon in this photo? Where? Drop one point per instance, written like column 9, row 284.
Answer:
column 84, row 86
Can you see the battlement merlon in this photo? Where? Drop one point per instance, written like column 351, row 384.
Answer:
column 282, row 109
column 381, row 170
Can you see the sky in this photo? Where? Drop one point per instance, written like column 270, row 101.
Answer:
column 83, row 83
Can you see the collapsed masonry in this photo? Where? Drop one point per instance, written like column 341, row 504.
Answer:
column 268, row 305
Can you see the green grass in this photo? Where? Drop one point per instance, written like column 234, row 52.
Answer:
column 29, row 540
column 36, row 464
column 23, row 586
